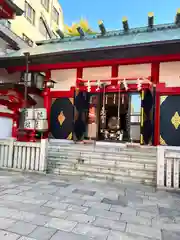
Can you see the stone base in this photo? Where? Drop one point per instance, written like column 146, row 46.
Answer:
column 104, row 160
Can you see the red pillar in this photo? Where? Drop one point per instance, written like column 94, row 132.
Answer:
column 14, row 128
column 79, row 74
column 155, row 79
column 47, row 97
column 157, row 121
column 114, row 74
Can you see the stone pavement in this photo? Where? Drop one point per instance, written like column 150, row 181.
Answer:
column 46, row 207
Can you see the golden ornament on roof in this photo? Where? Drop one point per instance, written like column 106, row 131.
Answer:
column 83, row 24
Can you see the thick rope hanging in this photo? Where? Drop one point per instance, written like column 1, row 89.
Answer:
column 119, row 102
column 103, row 113
column 139, row 81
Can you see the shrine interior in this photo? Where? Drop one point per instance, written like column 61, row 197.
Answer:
column 104, row 112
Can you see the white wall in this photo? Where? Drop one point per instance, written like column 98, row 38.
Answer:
column 97, row 73
column 5, row 127
column 170, row 74
column 64, row 78
column 136, row 70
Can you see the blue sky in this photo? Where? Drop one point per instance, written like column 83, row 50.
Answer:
column 112, row 11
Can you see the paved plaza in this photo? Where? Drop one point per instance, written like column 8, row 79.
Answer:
column 46, row 207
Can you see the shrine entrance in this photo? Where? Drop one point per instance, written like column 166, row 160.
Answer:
column 120, row 112
column 114, row 117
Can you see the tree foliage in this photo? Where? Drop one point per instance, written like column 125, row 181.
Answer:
column 72, row 30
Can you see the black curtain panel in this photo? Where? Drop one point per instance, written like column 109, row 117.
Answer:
column 80, row 114
column 61, row 118
column 170, row 120
column 147, row 106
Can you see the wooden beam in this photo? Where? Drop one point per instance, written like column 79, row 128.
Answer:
column 97, row 63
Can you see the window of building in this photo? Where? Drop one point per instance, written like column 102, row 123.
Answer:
column 29, row 13
column 27, row 40
column 55, row 15
column 42, row 28
column 45, row 4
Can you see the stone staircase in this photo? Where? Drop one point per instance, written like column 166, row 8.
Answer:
column 103, row 161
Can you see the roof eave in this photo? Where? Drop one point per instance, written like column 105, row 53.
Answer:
column 90, row 49
column 15, row 41
column 18, row 11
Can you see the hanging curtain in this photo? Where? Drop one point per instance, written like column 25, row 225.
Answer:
column 146, row 117
column 80, row 114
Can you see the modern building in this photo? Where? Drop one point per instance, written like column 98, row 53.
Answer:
column 40, row 20
column 11, row 92
column 9, row 41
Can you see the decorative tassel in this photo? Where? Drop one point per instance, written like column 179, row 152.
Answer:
column 114, row 101
column 125, row 84
column 103, row 115
column 98, row 85
column 122, row 98
column 88, row 86
column 106, row 101
column 139, row 85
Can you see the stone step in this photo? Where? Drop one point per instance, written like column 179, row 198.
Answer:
column 117, row 162
column 103, row 149
column 103, row 144
column 119, row 169
column 101, row 176
column 106, row 157
column 105, row 161
column 100, row 154
column 99, row 144
column 107, row 164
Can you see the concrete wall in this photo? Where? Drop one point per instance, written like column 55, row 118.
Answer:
column 170, row 74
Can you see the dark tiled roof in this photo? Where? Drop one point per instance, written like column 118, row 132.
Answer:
column 113, row 39
column 131, row 32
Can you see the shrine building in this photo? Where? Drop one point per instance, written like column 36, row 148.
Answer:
column 121, row 86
